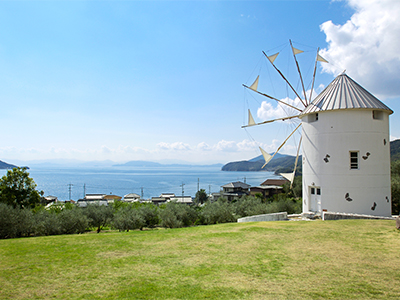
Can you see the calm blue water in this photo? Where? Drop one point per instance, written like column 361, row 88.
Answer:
column 120, row 182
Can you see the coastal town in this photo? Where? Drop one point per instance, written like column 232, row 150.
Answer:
column 231, row 191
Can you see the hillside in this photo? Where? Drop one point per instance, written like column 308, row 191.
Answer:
column 395, row 150
column 279, row 164
column 4, row 165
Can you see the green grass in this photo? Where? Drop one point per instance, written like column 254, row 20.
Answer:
column 348, row 259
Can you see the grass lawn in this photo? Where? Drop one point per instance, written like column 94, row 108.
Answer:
column 347, row 259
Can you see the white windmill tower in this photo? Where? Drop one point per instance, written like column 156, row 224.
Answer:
column 346, row 149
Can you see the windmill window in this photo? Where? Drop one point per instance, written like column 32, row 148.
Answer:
column 353, row 160
column 318, row 191
column 312, row 191
column 377, row 115
column 312, row 118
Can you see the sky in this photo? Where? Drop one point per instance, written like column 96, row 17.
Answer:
column 162, row 80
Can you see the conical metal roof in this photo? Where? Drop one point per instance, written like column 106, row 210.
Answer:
column 344, row 93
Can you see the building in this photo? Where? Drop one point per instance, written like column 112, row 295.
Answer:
column 131, row 197
column 346, row 151
column 111, row 198
column 183, row 199
column 235, row 190
column 98, row 199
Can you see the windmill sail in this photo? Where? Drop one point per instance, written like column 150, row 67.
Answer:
column 296, row 51
column 280, row 147
column 288, row 176
column 251, row 120
column 321, row 59
column 266, row 155
column 272, row 58
column 254, row 86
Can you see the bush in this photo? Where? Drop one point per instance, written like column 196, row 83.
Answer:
column 47, row 223
column 99, row 215
column 128, row 218
column 250, row 206
column 150, row 215
column 73, row 221
column 176, row 215
column 217, row 212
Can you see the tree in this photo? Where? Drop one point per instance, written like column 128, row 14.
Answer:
column 395, row 183
column 201, row 197
column 18, row 189
column 99, row 215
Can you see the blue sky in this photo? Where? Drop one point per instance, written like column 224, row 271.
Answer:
column 162, row 80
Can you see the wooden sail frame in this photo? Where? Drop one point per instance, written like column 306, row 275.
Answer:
column 254, row 87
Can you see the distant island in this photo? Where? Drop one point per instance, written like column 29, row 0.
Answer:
column 279, row 164
column 4, row 165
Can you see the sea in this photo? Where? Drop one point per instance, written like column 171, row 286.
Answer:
column 73, row 183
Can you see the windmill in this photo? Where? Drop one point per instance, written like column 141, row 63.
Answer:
column 346, row 150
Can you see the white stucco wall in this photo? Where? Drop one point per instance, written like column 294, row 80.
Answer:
column 336, row 133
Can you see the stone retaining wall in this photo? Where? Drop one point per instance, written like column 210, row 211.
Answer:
column 326, row 215
column 281, row 216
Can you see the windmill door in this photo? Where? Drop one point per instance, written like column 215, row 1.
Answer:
column 315, row 199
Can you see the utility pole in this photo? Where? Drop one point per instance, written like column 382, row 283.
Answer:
column 141, row 195
column 182, row 185
column 198, row 184
column 70, row 189
column 84, row 190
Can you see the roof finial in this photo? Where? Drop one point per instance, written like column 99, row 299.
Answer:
column 344, row 71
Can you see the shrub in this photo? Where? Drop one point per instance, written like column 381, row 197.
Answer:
column 220, row 211
column 176, row 215
column 73, row 221
column 128, row 218
column 99, row 215
column 47, row 223
column 150, row 215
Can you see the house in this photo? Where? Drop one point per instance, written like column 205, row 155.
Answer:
column 131, row 197
column 112, row 198
column 167, row 196
column 92, row 199
column 267, row 191
column 269, row 187
column 49, row 199
column 275, row 182
column 235, row 190
column 183, row 200
column 158, row 200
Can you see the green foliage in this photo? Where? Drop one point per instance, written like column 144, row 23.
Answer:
column 47, row 223
column 18, row 189
column 217, row 212
column 297, row 188
column 73, row 221
column 395, row 183
column 128, row 218
column 249, row 206
column 14, row 222
column 150, row 215
column 201, row 197
column 176, row 215
column 99, row 215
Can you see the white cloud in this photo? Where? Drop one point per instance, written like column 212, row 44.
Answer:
column 367, row 46
column 174, row 146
